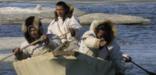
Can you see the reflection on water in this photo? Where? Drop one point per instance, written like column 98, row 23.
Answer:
column 10, row 30
column 138, row 41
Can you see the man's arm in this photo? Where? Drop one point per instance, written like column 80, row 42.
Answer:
column 75, row 27
column 117, row 59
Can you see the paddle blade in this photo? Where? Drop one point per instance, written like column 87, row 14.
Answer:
column 151, row 73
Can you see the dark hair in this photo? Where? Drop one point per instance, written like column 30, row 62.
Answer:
column 107, row 27
column 68, row 12
column 29, row 23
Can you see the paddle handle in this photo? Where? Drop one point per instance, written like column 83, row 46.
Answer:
column 140, row 66
column 6, row 57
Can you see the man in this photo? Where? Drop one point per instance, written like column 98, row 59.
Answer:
column 100, row 42
column 33, row 31
column 65, row 25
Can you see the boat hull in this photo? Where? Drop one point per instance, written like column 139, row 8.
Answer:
column 49, row 65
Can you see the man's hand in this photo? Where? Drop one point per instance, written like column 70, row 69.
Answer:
column 126, row 58
column 72, row 31
column 45, row 39
column 19, row 54
column 102, row 43
column 17, row 51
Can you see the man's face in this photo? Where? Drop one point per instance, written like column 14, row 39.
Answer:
column 34, row 33
column 60, row 11
column 101, row 33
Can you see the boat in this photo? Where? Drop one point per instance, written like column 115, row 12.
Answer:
column 48, row 64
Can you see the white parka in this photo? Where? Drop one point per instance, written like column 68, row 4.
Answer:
column 61, row 28
column 90, row 44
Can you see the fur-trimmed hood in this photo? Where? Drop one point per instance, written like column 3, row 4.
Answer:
column 96, row 23
column 36, row 23
column 32, row 21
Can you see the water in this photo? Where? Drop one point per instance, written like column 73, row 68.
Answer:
column 138, row 41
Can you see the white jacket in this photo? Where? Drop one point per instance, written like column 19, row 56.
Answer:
column 90, row 45
column 61, row 28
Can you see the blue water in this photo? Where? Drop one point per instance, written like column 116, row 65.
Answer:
column 138, row 41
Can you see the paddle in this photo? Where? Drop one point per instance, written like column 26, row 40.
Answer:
column 148, row 72
column 40, row 39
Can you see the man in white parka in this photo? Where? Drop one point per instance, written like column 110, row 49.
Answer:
column 33, row 31
column 99, row 42
column 65, row 25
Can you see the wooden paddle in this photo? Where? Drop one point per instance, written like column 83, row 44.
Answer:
column 40, row 39
column 6, row 57
column 148, row 72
